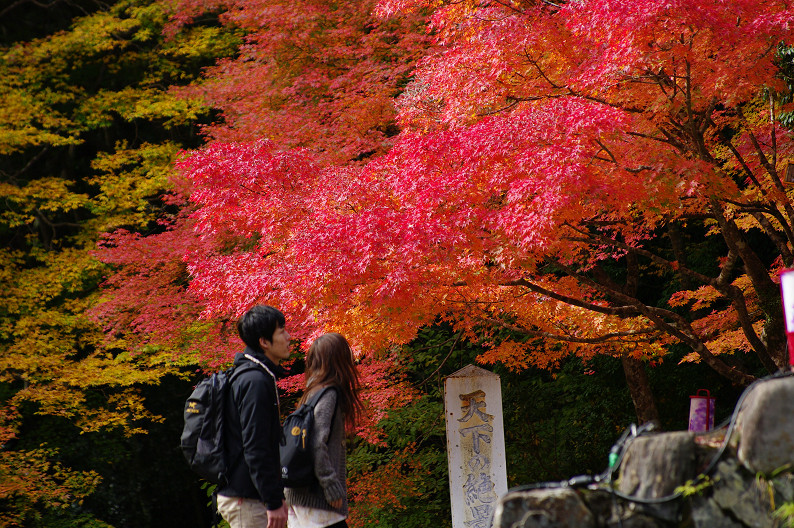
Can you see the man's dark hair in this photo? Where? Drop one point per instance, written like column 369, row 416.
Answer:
column 260, row 321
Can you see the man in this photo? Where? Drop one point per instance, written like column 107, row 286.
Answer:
column 254, row 495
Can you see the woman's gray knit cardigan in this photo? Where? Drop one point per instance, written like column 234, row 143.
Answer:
column 328, row 444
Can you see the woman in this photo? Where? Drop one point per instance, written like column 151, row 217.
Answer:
column 329, row 363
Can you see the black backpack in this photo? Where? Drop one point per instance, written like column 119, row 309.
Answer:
column 202, row 435
column 295, row 451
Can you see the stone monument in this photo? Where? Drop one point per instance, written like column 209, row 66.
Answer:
column 475, row 445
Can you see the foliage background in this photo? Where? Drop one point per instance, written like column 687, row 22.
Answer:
column 88, row 131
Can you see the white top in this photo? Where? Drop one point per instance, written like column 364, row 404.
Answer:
column 305, row 517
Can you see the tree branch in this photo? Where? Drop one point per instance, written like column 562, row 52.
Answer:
column 683, row 331
column 623, row 311
column 768, row 292
column 604, row 338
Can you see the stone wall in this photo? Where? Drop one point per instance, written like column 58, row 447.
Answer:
column 737, row 476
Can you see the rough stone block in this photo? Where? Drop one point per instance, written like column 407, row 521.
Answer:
column 655, row 465
column 764, row 428
column 741, row 496
column 706, row 513
column 542, row 508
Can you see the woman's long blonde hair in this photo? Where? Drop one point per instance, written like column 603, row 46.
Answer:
column 329, row 362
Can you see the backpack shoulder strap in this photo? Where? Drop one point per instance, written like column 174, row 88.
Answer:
column 311, row 402
column 239, row 369
column 275, row 381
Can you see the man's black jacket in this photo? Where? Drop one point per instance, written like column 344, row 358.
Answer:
column 253, row 432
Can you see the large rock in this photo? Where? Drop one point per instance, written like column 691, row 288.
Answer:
column 542, row 508
column 655, row 465
column 764, row 432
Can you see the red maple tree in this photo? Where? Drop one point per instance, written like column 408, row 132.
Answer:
column 555, row 165
column 315, row 74
column 554, row 161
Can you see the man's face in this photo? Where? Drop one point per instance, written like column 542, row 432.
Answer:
column 278, row 349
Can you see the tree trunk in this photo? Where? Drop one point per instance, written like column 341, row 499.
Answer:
column 640, row 389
